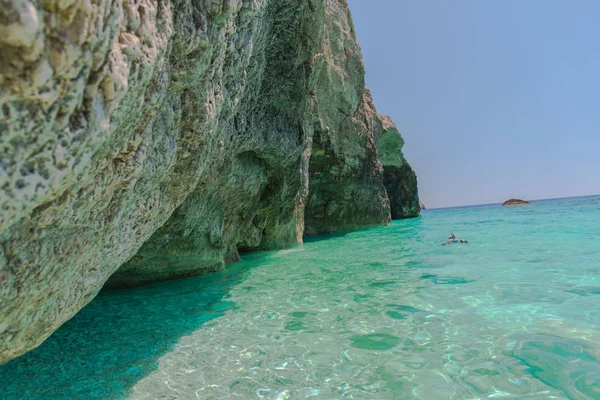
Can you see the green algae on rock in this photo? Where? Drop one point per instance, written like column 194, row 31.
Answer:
column 144, row 141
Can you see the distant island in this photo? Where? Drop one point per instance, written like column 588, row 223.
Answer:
column 423, row 206
column 515, row 202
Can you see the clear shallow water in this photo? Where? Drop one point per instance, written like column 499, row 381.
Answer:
column 384, row 313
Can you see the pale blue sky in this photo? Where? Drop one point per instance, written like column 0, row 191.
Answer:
column 495, row 99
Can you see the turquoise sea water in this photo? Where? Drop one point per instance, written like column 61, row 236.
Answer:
column 384, row 313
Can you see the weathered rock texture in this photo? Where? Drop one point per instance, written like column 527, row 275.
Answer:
column 143, row 140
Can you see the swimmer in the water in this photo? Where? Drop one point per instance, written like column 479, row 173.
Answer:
column 453, row 239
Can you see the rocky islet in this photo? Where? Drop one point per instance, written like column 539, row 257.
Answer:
column 515, row 202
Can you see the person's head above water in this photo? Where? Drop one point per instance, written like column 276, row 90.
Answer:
column 452, row 236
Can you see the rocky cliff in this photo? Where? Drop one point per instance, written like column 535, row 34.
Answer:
column 144, row 140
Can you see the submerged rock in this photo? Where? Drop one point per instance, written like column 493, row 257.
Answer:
column 149, row 140
column 375, row 341
column 514, row 202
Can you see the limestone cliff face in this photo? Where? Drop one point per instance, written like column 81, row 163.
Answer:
column 350, row 185
column 399, row 179
column 345, row 189
column 147, row 140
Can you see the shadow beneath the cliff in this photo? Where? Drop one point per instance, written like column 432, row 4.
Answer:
column 319, row 238
column 118, row 338
column 345, row 232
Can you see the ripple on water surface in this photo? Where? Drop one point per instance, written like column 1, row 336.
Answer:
column 385, row 313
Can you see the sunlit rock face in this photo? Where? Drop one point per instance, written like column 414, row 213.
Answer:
column 399, row 179
column 148, row 140
column 348, row 180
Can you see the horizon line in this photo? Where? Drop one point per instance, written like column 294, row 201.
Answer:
column 489, row 204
